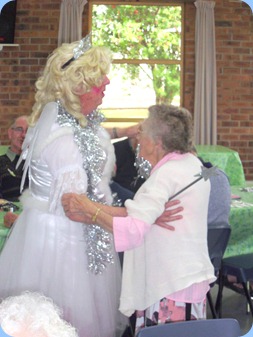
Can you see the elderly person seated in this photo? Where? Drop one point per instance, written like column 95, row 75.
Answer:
column 163, row 270
column 220, row 196
column 10, row 174
column 32, row 315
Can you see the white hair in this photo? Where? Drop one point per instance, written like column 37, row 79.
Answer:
column 35, row 314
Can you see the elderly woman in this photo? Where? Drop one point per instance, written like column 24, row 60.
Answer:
column 162, row 270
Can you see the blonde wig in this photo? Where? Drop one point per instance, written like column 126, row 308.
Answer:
column 76, row 79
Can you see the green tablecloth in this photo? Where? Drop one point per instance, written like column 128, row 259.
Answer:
column 226, row 159
column 241, row 221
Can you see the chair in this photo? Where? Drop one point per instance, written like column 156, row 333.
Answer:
column 217, row 240
column 240, row 266
column 222, row 327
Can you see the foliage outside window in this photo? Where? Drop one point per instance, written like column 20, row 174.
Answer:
column 146, row 41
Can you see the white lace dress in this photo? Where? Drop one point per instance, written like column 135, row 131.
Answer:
column 47, row 252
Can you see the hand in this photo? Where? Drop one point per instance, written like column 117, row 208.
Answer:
column 170, row 214
column 132, row 131
column 9, row 219
column 76, row 207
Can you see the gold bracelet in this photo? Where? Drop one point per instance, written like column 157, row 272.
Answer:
column 94, row 218
column 115, row 133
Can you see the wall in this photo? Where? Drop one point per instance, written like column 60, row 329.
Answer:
column 36, row 34
column 234, row 36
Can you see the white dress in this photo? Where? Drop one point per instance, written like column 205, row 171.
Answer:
column 47, row 252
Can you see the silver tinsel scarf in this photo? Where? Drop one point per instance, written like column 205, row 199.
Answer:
column 99, row 242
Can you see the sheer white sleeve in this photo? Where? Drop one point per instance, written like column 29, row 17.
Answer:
column 65, row 164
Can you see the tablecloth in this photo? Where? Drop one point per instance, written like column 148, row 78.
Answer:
column 241, row 221
column 226, row 159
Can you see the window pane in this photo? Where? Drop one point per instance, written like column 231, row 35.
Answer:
column 133, row 88
column 146, row 45
column 138, row 32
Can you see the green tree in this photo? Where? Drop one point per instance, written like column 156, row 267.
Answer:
column 143, row 33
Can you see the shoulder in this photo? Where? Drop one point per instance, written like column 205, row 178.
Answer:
column 220, row 178
column 5, row 162
column 180, row 163
column 64, row 135
column 4, row 159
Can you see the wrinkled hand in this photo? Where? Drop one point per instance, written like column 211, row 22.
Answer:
column 170, row 214
column 76, row 207
column 9, row 219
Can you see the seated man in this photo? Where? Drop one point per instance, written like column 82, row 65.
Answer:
column 220, row 196
column 220, row 199
column 10, row 176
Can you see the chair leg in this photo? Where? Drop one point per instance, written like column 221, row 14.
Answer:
column 218, row 304
column 188, row 309
column 247, row 294
column 210, row 301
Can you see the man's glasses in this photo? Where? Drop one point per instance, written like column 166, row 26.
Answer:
column 19, row 129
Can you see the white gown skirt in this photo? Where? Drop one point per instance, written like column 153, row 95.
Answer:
column 47, row 254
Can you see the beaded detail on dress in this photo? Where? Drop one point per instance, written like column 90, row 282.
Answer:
column 99, row 241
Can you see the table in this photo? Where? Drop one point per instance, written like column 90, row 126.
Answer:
column 241, row 221
column 226, row 159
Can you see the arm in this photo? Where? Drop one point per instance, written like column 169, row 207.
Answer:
column 80, row 208
column 130, row 131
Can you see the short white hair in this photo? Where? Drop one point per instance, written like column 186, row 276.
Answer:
column 34, row 313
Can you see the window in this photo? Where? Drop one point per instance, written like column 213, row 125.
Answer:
column 146, row 41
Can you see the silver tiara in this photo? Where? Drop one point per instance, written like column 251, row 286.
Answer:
column 83, row 46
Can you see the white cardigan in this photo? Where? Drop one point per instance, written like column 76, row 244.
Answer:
column 166, row 261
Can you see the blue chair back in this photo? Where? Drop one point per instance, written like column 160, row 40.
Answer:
column 217, row 239
column 223, row 327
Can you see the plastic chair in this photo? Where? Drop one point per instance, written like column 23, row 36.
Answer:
column 240, row 266
column 217, row 239
column 222, row 327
